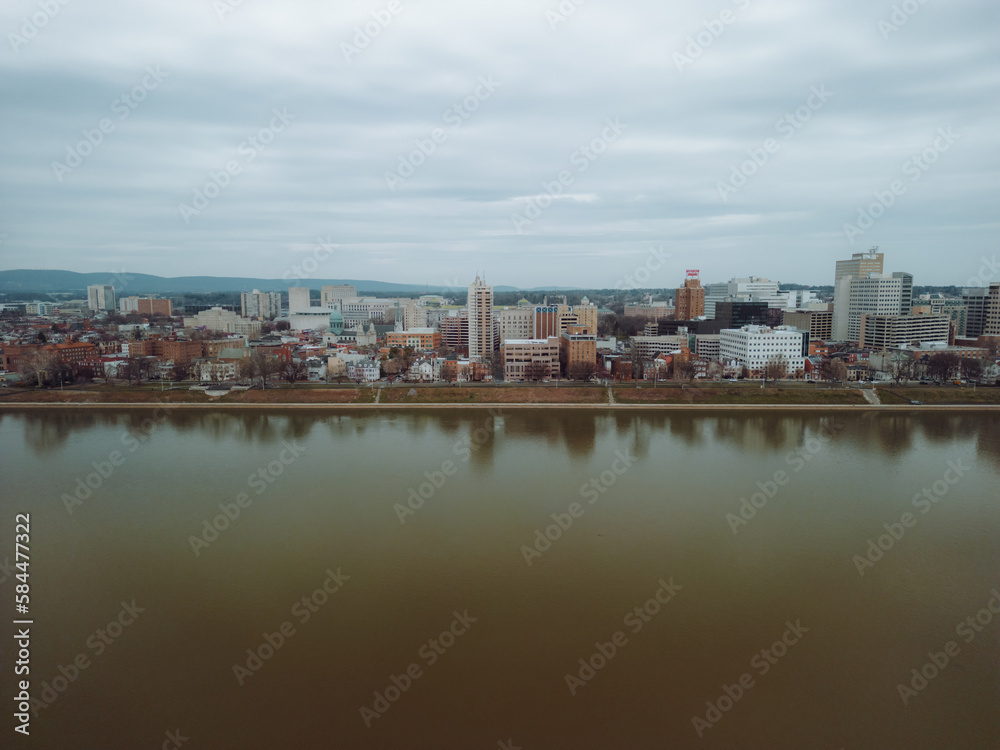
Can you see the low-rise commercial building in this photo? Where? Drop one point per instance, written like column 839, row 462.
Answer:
column 40, row 308
column 418, row 339
column 455, row 331
column 706, row 346
column 753, row 347
column 819, row 323
column 881, row 332
column 145, row 306
column 531, row 358
column 654, row 311
column 649, row 346
column 218, row 319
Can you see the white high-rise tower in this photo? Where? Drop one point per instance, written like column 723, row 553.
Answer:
column 480, row 320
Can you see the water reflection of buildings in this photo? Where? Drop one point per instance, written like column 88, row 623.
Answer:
column 49, row 430
column 576, row 429
column 478, row 433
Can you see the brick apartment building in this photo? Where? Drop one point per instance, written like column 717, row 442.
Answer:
column 577, row 349
column 418, row 339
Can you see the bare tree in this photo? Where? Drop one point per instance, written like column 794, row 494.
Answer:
column 180, row 371
column 684, row 371
column 942, row 366
column 826, row 368
column 261, row 364
column 535, row 371
column 838, row 370
column 292, row 370
column 776, row 367
column 495, row 362
column 901, row 368
column 37, row 365
column 60, row 372
column 581, row 370
column 638, row 360
column 971, row 368
column 134, row 369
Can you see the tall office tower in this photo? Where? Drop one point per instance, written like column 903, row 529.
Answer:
column 690, row 301
column 906, row 292
column 330, row 294
column 411, row 313
column 516, row 323
column 101, row 297
column 258, row 304
column 860, row 265
column 586, row 313
column 480, row 320
column 875, row 294
column 546, row 321
column 992, row 327
column 454, row 329
column 975, row 300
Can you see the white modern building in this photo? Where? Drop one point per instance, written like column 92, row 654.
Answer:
column 754, row 346
column 330, row 294
column 101, row 297
column 40, row 308
column 875, row 294
column 303, row 315
column 218, row 319
column 364, row 309
column 797, row 299
column 258, row 304
column 747, row 289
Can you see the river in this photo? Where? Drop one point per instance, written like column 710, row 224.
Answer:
column 464, row 578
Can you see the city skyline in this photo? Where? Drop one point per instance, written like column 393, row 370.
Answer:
column 236, row 136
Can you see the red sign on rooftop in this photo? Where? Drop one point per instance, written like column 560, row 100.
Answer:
column 692, row 273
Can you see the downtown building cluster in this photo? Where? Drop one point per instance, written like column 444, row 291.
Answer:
column 746, row 327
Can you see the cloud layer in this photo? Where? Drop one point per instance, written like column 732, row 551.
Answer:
column 430, row 139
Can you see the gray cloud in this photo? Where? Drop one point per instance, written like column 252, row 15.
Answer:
column 655, row 185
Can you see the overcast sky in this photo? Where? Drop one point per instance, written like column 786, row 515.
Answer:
column 650, row 112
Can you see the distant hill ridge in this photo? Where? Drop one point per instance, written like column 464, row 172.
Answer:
column 126, row 283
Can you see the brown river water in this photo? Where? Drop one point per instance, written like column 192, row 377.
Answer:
column 534, row 579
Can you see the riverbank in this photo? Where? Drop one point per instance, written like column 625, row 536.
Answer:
column 746, row 396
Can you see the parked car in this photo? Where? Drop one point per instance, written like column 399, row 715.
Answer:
column 917, row 403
